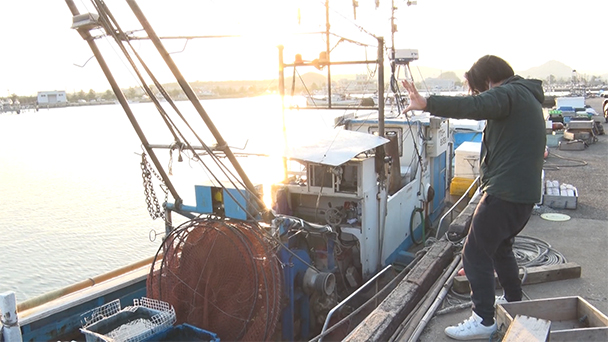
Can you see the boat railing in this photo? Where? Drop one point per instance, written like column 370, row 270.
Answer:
column 335, row 308
column 89, row 282
column 454, row 206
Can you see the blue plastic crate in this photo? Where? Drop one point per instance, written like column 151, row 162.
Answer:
column 183, row 332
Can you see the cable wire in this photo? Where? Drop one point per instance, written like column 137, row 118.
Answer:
column 107, row 20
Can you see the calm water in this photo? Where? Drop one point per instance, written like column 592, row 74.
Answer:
column 72, row 201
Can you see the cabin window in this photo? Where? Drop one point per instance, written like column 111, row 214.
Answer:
column 349, row 180
column 320, row 175
column 343, row 178
column 390, row 130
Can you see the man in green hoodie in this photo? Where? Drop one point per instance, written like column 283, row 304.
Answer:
column 511, row 164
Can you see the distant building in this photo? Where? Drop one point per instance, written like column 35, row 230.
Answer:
column 54, row 98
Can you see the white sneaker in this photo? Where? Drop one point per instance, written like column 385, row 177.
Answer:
column 471, row 329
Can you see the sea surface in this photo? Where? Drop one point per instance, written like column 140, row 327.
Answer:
column 72, row 203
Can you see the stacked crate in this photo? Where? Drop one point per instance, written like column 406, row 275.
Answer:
column 466, row 168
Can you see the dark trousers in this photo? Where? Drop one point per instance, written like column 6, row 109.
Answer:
column 488, row 248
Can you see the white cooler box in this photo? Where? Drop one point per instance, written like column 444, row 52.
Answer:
column 467, row 160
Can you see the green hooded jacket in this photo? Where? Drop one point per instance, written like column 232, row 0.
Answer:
column 514, row 140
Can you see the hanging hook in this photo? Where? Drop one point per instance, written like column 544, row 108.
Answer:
column 184, row 48
column 152, row 235
column 85, row 63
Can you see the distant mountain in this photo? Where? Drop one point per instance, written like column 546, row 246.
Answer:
column 309, row 79
column 555, row 68
column 542, row 72
column 315, row 80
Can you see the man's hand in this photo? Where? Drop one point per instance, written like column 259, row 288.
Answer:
column 417, row 101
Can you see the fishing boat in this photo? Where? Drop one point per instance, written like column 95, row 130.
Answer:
column 344, row 226
column 7, row 105
column 336, row 100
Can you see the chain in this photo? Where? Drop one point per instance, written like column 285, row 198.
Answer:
column 151, row 200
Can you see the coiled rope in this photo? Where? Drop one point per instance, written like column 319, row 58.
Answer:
column 529, row 252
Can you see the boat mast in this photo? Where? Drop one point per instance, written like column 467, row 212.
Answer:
column 222, row 145
column 282, row 93
column 327, row 50
column 380, row 86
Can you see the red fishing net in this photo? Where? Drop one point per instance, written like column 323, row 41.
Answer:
column 221, row 276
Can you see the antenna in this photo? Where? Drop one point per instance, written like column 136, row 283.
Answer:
column 393, row 25
column 399, row 57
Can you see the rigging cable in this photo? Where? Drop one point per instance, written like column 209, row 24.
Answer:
column 417, row 151
column 350, row 21
column 107, row 20
column 106, row 13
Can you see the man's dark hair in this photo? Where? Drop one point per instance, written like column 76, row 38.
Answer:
column 487, row 68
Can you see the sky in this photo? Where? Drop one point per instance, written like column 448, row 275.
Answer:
column 41, row 53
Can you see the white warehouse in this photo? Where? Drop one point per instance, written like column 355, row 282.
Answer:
column 56, row 97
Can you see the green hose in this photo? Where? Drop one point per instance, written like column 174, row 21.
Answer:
column 420, row 211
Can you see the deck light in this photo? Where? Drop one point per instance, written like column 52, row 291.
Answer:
column 87, row 21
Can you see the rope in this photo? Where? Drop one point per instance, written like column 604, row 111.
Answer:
column 529, row 252
column 577, row 162
column 7, row 324
column 420, row 211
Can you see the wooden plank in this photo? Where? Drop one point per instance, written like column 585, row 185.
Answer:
column 535, row 275
column 573, row 318
column 552, row 309
column 381, row 324
column 592, row 316
column 587, row 334
column 529, row 329
column 459, row 227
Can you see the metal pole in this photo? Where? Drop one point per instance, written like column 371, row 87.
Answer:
column 282, row 92
column 381, row 86
column 10, row 330
column 123, row 102
column 466, row 194
column 281, row 75
column 360, row 289
column 192, row 97
column 89, row 282
column 453, row 271
column 334, row 63
column 393, row 29
column 382, row 195
column 327, row 53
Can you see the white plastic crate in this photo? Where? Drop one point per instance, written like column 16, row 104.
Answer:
column 110, row 323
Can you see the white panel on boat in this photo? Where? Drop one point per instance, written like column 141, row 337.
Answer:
column 334, row 149
column 468, row 124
